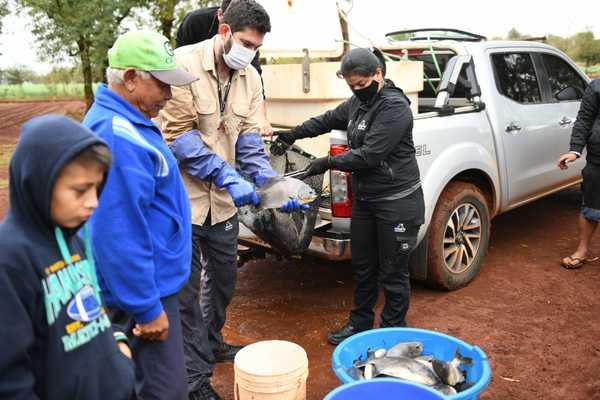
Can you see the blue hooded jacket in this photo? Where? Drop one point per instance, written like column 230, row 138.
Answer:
column 142, row 229
column 56, row 342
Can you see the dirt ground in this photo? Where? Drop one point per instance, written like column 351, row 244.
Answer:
column 12, row 115
column 538, row 323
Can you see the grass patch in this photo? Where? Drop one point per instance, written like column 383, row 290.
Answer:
column 6, row 151
column 31, row 91
column 595, row 69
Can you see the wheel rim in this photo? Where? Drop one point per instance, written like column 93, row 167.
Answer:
column 462, row 238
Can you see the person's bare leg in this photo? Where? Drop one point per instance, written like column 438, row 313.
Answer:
column 586, row 232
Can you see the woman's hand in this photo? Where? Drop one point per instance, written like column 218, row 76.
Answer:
column 566, row 159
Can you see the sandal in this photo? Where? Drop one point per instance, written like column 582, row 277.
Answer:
column 571, row 262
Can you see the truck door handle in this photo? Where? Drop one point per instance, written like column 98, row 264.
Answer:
column 565, row 121
column 512, row 127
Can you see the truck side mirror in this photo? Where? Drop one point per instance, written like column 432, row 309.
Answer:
column 568, row 93
column 450, row 78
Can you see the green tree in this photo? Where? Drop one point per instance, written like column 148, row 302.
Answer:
column 3, row 11
column 559, row 42
column 82, row 29
column 18, row 75
column 514, row 34
column 168, row 14
column 62, row 75
column 587, row 48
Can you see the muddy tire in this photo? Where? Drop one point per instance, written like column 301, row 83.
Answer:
column 459, row 235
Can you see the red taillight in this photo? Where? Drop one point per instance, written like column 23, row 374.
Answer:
column 341, row 189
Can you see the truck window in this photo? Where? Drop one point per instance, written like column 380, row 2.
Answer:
column 516, row 77
column 561, row 76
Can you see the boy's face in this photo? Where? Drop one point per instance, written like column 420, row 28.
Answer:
column 75, row 193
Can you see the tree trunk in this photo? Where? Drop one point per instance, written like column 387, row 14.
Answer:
column 167, row 17
column 86, row 68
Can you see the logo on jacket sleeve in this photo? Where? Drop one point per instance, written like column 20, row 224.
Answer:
column 362, row 126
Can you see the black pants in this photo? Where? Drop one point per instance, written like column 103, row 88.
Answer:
column 159, row 366
column 384, row 233
column 205, row 297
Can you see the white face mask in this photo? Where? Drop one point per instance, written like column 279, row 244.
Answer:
column 238, row 57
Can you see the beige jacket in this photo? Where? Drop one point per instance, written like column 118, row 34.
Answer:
column 197, row 107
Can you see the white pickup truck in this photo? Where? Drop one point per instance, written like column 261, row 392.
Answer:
column 492, row 120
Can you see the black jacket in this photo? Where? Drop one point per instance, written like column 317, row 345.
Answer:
column 202, row 24
column 56, row 342
column 382, row 156
column 586, row 131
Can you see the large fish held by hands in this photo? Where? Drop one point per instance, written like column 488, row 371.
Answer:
column 288, row 234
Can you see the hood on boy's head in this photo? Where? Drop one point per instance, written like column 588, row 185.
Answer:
column 46, row 145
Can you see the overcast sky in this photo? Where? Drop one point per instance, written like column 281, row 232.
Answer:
column 374, row 18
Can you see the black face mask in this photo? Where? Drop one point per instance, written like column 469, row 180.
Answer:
column 366, row 94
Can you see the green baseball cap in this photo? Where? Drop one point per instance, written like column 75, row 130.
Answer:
column 148, row 51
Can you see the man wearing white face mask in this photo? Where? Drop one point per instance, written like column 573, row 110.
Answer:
column 212, row 125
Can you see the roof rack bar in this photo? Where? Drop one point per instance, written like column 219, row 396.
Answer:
column 466, row 36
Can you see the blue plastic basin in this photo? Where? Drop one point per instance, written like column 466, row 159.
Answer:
column 384, row 389
column 439, row 345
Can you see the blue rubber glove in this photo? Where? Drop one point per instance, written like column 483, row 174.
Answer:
column 241, row 191
column 252, row 159
column 293, row 205
column 201, row 163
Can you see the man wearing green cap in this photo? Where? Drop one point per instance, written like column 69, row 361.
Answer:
column 213, row 125
column 141, row 231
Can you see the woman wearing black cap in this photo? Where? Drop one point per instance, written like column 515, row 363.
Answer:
column 388, row 203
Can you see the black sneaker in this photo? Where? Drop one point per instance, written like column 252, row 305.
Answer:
column 205, row 392
column 336, row 337
column 227, row 352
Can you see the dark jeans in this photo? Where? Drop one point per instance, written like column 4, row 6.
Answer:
column 591, row 192
column 384, row 233
column 205, row 297
column 159, row 366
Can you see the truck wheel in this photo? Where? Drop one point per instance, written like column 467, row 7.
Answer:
column 459, row 234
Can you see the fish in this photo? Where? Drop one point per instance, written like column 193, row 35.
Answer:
column 289, row 234
column 426, row 361
column 425, row 358
column 445, row 389
column 379, row 353
column 462, row 386
column 406, row 349
column 449, row 372
column 355, row 373
column 369, row 372
column 279, row 190
column 405, row 368
column 371, row 355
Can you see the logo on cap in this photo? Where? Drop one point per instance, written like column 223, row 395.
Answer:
column 168, row 48
column 169, row 51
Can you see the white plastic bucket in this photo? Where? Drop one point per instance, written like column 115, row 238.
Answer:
column 271, row 370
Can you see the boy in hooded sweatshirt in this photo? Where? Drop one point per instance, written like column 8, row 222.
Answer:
column 56, row 340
